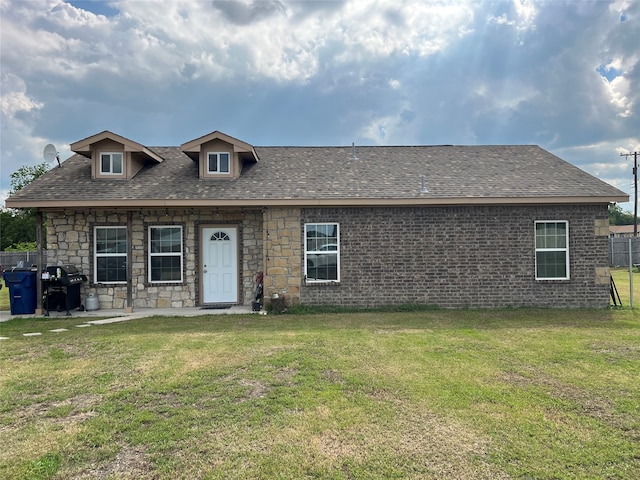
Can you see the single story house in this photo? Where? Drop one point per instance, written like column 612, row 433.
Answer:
column 451, row 226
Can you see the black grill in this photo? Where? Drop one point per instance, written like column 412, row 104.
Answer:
column 62, row 288
column 66, row 275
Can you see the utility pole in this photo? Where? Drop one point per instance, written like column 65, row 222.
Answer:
column 635, row 188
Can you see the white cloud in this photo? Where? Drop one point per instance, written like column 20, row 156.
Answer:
column 526, row 12
column 275, row 40
column 521, row 17
column 17, row 112
column 618, row 89
column 14, row 98
column 561, row 74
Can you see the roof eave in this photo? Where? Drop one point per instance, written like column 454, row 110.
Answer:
column 308, row 202
column 83, row 147
column 192, row 147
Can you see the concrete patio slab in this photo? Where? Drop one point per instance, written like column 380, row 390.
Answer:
column 119, row 315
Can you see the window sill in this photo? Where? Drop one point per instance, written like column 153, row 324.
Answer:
column 320, row 283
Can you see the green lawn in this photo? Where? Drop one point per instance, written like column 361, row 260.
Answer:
column 518, row 393
column 4, row 297
column 622, row 282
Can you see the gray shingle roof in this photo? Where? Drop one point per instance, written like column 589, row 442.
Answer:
column 317, row 175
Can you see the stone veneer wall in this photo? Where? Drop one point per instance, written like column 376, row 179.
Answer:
column 463, row 256
column 70, row 241
column 283, row 254
column 251, row 253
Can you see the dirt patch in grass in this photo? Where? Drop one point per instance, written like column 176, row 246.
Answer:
column 584, row 402
column 256, row 389
column 260, row 388
column 445, row 448
column 437, row 447
column 398, row 331
column 332, row 376
column 73, row 409
column 284, row 375
column 34, row 429
column 616, row 352
column 129, row 463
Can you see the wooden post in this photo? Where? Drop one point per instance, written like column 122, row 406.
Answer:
column 129, row 307
column 40, row 263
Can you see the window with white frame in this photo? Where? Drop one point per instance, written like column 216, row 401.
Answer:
column 322, row 252
column 165, row 254
column 552, row 250
column 218, row 162
column 111, row 163
column 110, row 254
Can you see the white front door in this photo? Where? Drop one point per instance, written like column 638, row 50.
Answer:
column 219, row 265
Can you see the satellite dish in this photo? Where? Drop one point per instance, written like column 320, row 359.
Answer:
column 50, row 154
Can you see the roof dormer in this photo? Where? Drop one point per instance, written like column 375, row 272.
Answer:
column 114, row 157
column 219, row 156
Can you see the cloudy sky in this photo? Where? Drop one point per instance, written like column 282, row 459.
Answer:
column 564, row 75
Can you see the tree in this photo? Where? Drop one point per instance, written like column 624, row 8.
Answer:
column 22, row 247
column 619, row 217
column 18, row 227
column 27, row 174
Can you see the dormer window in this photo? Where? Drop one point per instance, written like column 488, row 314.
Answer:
column 218, row 163
column 111, row 163
column 114, row 157
column 219, row 157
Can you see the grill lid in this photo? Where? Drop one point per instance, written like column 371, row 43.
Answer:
column 67, row 270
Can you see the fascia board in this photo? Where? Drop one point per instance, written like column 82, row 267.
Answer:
column 286, row 202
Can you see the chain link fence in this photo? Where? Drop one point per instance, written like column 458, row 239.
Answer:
column 619, row 251
column 9, row 260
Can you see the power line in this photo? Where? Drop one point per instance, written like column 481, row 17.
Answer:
column 635, row 189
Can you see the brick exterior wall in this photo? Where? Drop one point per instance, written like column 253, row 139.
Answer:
column 461, row 257
column 453, row 257
column 70, row 241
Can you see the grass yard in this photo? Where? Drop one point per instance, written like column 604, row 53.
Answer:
column 440, row 394
column 4, row 297
column 622, row 282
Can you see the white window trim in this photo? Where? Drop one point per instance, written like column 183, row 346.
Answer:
column 165, row 254
column 565, row 249
column 96, row 255
column 111, row 154
column 315, row 252
column 218, row 172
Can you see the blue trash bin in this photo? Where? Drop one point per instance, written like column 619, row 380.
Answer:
column 23, row 291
